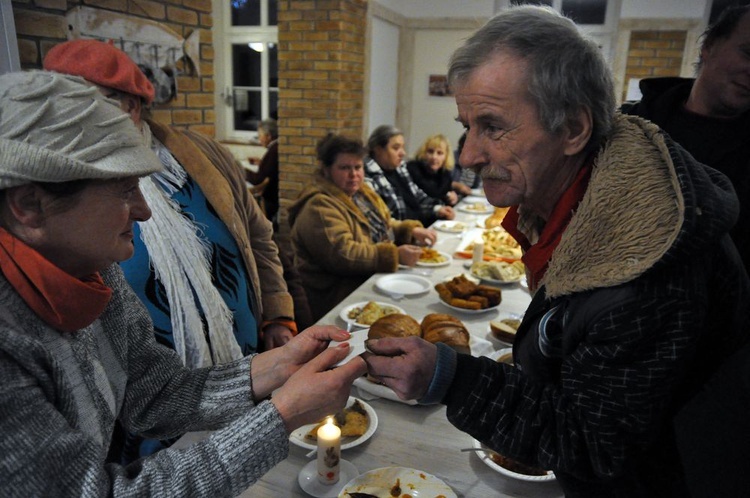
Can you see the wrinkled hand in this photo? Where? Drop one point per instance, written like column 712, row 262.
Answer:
column 314, row 391
column 275, row 335
column 408, row 254
column 405, row 364
column 446, row 213
column 424, row 236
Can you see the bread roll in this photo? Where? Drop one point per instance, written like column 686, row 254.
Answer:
column 440, row 327
column 504, row 330
column 395, row 325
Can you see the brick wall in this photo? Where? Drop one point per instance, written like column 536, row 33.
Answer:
column 655, row 53
column 321, row 83
column 41, row 24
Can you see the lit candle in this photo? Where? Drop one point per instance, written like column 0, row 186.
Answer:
column 329, row 452
column 478, row 252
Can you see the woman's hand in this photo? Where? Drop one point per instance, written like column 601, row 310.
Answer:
column 451, row 198
column 316, row 390
column 276, row 335
column 446, row 213
column 271, row 369
column 408, row 254
column 424, row 236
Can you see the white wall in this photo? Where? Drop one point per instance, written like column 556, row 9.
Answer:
column 383, row 79
column 431, row 115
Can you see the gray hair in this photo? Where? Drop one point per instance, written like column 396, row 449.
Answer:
column 380, row 137
column 567, row 71
column 270, row 128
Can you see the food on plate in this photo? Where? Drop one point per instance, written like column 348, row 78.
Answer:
column 371, row 312
column 514, row 466
column 455, row 226
column 352, row 420
column 463, row 293
column 499, row 270
column 395, row 325
column 430, row 255
column 505, row 329
column 479, row 207
column 496, row 218
column 498, row 245
column 441, row 327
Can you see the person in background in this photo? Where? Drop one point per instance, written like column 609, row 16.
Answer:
column 431, row 169
column 342, row 231
column 386, row 174
column 77, row 346
column 268, row 136
column 638, row 291
column 464, row 179
column 710, row 115
column 205, row 265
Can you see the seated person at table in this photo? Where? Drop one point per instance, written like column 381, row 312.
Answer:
column 386, row 174
column 629, row 317
column 431, row 169
column 464, row 179
column 77, row 347
column 342, row 231
column 268, row 168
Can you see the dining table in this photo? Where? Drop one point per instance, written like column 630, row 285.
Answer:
column 408, row 434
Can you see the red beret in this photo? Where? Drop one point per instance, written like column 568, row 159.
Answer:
column 101, row 63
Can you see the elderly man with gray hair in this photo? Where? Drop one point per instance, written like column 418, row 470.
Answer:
column 638, row 291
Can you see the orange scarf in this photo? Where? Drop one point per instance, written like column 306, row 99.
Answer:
column 62, row 301
column 536, row 257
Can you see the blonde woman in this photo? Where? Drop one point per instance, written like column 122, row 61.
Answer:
column 431, row 169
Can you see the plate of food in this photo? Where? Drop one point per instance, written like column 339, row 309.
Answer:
column 396, row 481
column 366, row 313
column 432, row 257
column 498, row 272
column 358, row 422
column 504, row 328
column 450, row 226
column 476, row 208
column 464, row 295
column 498, row 245
column 403, row 285
column 510, row 467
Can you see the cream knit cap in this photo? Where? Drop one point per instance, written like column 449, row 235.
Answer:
column 56, row 128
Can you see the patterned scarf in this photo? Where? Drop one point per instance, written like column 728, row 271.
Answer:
column 61, row 300
column 379, row 231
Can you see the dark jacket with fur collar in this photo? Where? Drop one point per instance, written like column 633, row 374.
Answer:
column 643, row 298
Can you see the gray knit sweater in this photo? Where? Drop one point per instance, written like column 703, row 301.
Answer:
column 60, row 394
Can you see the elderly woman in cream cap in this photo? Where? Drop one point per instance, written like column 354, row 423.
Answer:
column 77, row 349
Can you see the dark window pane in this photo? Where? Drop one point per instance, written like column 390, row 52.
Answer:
column 273, row 65
column 273, row 104
column 585, row 11
column 548, row 3
column 247, row 110
column 245, row 12
column 245, row 65
column 272, row 12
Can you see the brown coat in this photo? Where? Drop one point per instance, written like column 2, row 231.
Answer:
column 333, row 248
column 216, row 171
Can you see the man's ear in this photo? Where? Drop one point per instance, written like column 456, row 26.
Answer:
column 25, row 205
column 133, row 106
column 577, row 131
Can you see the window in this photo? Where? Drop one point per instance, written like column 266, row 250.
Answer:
column 246, row 66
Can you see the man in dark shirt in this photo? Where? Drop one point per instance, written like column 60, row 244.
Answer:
column 710, row 115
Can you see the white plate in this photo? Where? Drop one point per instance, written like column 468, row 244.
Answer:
column 471, row 208
column 414, row 483
column 472, row 199
column 492, row 281
column 468, row 311
column 380, row 391
column 447, row 261
column 308, row 479
column 450, row 226
column 344, row 314
column 298, row 436
column 478, row 192
column 485, row 457
column 501, row 353
column 403, row 284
